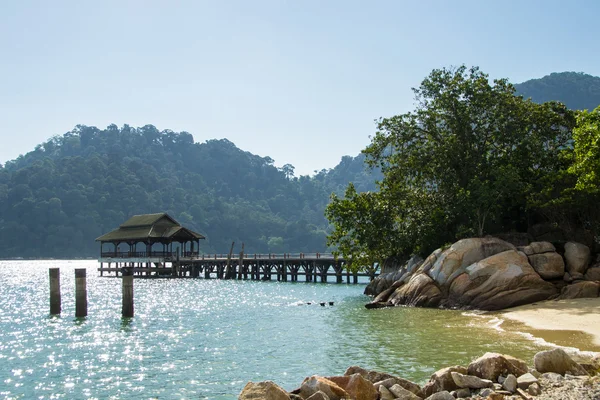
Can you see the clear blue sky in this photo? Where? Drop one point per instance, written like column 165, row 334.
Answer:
column 299, row 81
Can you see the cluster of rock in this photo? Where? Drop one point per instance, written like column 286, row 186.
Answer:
column 490, row 274
column 492, row 376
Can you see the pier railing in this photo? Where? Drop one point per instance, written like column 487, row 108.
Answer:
column 138, row 254
column 271, row 256
column 217, row 256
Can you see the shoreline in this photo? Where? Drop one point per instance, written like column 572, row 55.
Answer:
column 573, row 323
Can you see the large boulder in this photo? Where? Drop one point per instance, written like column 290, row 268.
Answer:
column 593, row 273
column 558, row 361
column 385, row 280
column 420, row 291
column 580, row 289
column 406, row 384
column 443, row 395
column 357, row 387
column 492, row 365
column 400, row 393
column 501, row 281
column 266, row 390
column 385, row 394
column 453, row 261
column 548, row 265
column 314, row 384
column 538, row 248
column 442, row 380
column 577, row 256
column 318, row 396
column 470, row 381
column 384, row 379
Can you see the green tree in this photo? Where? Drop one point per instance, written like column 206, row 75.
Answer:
column 462, row 163
column 586, row 151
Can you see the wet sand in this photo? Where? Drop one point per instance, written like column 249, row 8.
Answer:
column 571, row 323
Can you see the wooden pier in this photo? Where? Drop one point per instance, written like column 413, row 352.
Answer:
column 143, row 246
column 287, row 267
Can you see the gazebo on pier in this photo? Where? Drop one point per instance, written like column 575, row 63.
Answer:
column 155, row 234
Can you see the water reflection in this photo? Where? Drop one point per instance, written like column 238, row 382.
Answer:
column 206, row 339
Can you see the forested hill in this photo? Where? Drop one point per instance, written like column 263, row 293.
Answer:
column 55, row 200
column 576, row 90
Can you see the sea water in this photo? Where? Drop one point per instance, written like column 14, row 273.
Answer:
column 197, row 338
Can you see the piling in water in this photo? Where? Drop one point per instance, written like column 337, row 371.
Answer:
column 127, row 310
column 80, row 293
column 55, row 303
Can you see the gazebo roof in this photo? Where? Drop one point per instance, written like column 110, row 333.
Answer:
column 150, row 227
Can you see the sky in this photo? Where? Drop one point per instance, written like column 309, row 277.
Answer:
column 299, row 81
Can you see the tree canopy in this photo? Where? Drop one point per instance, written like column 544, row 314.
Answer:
column 467, row 161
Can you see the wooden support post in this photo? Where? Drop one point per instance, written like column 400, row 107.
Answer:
column 347, row 274
column 229, row 274
column 55, row 305
column 241, row 264
column 127, row 310
column 80, row 293
column 206, row 272
column 355, row 277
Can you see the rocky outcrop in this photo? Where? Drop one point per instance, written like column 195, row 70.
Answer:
column 487, row 274
column 578, row 257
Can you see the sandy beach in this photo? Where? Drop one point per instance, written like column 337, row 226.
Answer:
column 553, row 320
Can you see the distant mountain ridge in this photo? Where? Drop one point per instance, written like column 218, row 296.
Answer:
column 577, row 90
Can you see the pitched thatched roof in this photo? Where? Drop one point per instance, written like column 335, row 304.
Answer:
column 151, row 228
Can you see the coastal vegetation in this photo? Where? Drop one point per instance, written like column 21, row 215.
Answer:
column 474, row 158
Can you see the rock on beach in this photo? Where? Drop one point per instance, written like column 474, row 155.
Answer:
column 554, row 378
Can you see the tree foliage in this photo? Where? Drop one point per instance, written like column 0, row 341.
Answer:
column 463, row 163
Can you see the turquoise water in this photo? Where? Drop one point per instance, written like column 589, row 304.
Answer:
column 192, row 338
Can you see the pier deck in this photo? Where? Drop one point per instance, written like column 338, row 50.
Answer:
column 313, row 267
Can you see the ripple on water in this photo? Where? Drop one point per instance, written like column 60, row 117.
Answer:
column 206, row 339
